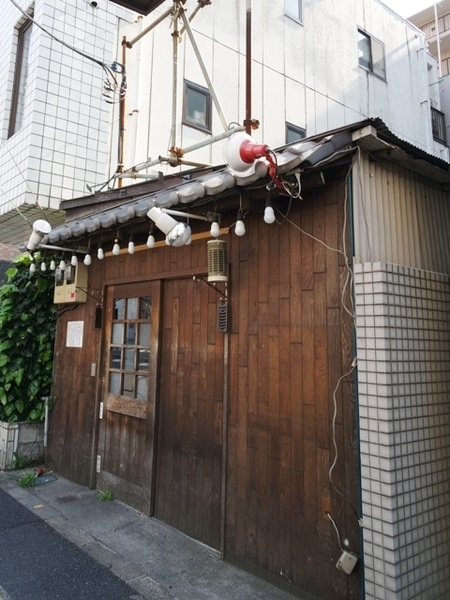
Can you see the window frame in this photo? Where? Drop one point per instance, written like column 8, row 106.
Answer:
column 290, row 127
column 21, row 60
column 195, row 87
column 370, row 67
column 296, row 17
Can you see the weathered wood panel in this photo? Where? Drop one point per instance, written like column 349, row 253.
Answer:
column 189, row 454
column 290, row 344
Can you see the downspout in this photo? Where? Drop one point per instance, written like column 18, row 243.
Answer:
column 351, row 218
column 438, row 40
column 175, row 41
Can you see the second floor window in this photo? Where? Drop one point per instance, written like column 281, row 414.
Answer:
column 197, row 106
column 371, row 54
column 293, row 8
column 294, row 133
column 20, row 77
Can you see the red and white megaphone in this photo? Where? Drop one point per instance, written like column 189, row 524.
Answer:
column 241, row 153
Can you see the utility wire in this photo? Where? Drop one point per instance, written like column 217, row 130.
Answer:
column 100, row 63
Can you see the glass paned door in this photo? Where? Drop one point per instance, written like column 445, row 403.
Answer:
column 126, row 433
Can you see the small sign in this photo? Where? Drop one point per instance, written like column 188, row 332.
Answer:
column 75, row 334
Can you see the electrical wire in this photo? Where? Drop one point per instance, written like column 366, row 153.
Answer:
column 109, row 70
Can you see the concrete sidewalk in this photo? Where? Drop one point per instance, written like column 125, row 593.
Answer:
column 157, row 561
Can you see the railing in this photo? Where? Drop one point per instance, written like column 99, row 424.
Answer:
column 438, row 125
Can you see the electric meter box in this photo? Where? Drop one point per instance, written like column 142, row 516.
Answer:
column 71, row 287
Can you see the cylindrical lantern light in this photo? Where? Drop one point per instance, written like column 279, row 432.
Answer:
column 217, row 261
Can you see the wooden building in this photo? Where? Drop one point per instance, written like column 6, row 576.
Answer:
column 236, row 410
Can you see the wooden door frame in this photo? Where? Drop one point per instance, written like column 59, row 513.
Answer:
column 151, row 426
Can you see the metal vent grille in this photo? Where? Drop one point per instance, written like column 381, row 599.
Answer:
column 217, row 261
column 222, row 317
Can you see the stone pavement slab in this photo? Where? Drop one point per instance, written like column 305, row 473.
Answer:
column 156, row 560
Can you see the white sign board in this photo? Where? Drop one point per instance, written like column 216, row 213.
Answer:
column 75, row 334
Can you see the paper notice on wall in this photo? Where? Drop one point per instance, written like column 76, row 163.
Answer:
column 75, row 334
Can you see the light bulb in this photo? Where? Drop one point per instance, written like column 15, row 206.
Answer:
column 151, row 240
column 116, row 248
column 269, row 214
column 100, row 253
column 62, row 265
column 239, row 228
column 52, row 265
column 32, row 267
column 43, row 266
column 215, row 229
column 74, row 260
column 87, row 259
column 131, row 248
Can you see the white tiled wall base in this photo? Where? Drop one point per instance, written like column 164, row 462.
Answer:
column 403, row 346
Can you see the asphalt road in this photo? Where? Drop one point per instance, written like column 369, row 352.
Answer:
column 37, row 563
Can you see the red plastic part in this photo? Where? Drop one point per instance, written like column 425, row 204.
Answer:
column 249, row 151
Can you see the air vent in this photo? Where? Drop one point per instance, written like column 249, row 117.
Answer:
column 222, row 317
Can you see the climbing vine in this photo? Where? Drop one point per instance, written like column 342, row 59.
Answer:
column 27, row 331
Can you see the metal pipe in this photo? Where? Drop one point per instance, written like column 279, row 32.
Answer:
column 204, row 70
column 248, row 69
column 136, row 97
column 438, row 40
column 122, row 114
column 149, row 28
column 180, row 213
column 175, row 40
column 206, row 142
column 46, row 399
column 201, row 4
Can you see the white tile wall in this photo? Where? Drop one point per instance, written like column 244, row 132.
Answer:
column 66, row 114
column 403, row 345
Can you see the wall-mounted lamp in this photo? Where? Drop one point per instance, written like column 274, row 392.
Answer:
column 177, row 233
column 41, row 228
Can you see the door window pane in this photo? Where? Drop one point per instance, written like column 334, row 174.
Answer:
column 142, row 388
column 129, row 349
column 127, row 385
column 129, row 359
column 117, row 333
column 144, row 334
column 114, row 383
column 143, row 360
column 119, row 309
column 132, row 304
column 146, row 307
column 130, row 334
column 116, row 358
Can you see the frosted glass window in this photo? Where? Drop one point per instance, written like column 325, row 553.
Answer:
column 293, row 8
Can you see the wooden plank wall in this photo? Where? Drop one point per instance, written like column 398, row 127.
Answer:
column 289, row 343
column 291, row 340
column 71, row 438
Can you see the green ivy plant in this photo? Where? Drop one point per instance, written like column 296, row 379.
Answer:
column 27, row 331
